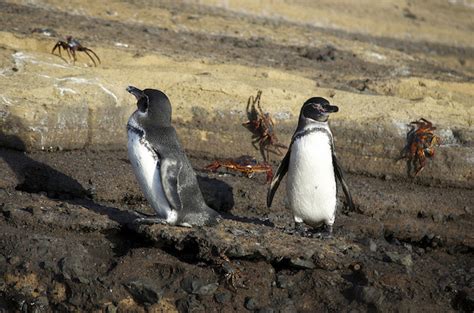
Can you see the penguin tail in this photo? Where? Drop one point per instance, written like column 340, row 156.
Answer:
column 205, row 217
column 214, row 217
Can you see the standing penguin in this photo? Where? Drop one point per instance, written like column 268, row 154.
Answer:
column 312, row 169
column 162, row 169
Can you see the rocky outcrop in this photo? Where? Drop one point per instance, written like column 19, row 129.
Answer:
column 49, row 105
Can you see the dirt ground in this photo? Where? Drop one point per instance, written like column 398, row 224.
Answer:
column 68, row 241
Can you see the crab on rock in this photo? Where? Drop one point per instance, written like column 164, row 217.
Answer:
column 245, row 164
column 421, row 140
column 262, row 127
column 72, row 46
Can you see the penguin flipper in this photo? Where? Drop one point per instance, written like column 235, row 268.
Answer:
column 340, row 175
column 280, row 173
column 169, row 172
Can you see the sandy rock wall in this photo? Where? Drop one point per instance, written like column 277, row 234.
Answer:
column 47, row 103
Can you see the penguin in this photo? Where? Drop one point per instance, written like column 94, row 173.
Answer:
column 161, row 167
column 312, row 169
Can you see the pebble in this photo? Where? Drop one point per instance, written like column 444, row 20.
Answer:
column 198, row 287
column 222, row 297
column 189, row 304
column 368, row 295
column 302, row 263
column 250, row 303
column 394, row 257
column 144, row 293
column 372, row 246
column 110, row 308
column 14, row 260
column 284, row 281
column 438, row 217
column 406, row 260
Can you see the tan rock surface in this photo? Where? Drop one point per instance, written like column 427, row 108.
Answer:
column 46, row 103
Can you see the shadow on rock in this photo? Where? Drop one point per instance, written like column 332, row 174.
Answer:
column 217, row 194
column 37, row 177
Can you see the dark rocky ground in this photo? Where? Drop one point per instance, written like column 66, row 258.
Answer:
column 68, row 244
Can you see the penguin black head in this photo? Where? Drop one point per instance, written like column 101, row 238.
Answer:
column 317, row 109
column 153, row 107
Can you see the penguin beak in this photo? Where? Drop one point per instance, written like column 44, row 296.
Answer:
column 136, row 92
column 331, row 108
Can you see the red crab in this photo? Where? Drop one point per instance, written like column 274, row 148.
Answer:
column 245, row 164
column 420, row 145
column 262, row 127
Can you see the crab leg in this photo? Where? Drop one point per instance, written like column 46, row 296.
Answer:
column 68, row 53
column 90, row 50
column 54, row 48
column 73, row 52
column 93, row 61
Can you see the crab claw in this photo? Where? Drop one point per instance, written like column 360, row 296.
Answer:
column 213, row 166
column 269, row 175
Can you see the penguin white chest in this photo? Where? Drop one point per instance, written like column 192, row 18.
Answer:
column 311, row 185
column 145, row 164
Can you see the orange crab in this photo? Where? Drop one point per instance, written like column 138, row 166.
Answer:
column 420, row 145
column 262, row 127
column 245, row 164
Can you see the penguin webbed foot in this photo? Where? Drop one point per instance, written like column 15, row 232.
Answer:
column 299, row 229
column 322, row 232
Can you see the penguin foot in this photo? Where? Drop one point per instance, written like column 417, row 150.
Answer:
column 325, row 233
column 299, row 229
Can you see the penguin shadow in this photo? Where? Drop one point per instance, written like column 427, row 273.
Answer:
column 36, row 177
column 218, row 195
